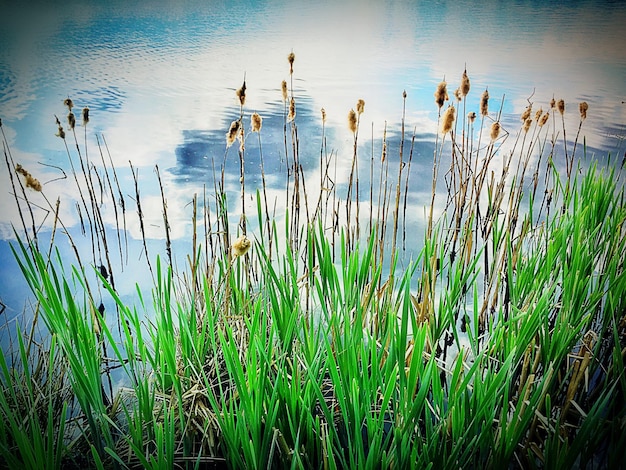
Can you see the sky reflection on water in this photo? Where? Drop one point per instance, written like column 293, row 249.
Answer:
column 159, row 78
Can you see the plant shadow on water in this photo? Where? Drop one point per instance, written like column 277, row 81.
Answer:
column 295, row 334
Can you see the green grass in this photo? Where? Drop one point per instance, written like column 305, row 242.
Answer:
column 501, row 345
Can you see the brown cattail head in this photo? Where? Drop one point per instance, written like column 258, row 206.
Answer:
column 527, row 124
column 69, row 103
column 283, row 87
column 241, row 246
column 404, row 95
column 457, row 94
column 291, row 57
column 561, row 106
column 241, row 94
column 538, row 114
column 31, row 181
column 60, row 132
column 441, row 94
column 85, row 116
column 465, row 83
column 448, row 120
column 471, row 116
column 292, row 110
column 526, row 113
column 360, row 106
column 495, row 130
column 484, row 103
column 323, row 115
column 256, row 121
column 352, row 121
column 583, row 107
column 232, row 133
column 544, row 119
column 552, row 103
column 71, row 120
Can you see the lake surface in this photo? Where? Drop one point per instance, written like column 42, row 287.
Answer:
column 160, row 80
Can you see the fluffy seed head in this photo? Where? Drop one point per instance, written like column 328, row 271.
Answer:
column 60, row 132
column 561, row 106
column 283, row 87
column 291, row 57
column 448, row 120
column 441, row 94
column 538, row 114
column 527, row 124
column 360, row 106
column 526, row 113
column 552, row 103
column 241, row 246
column 323, row 115
column 69, row 103
column 232, row 133
column 241, row 94
column 583, row 107
column 85, row 116
column 256, row 121
column 292, row 110
column 31, row 181
column 544, row 119
column 457, row 94
column 465, row 83
column 495, row 130
column 471, row 116
column 484, row 103
column 71, row 120
column 352, row 121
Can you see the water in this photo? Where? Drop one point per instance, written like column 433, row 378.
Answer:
column 159, row 79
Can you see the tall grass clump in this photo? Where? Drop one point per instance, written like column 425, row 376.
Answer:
column 308, row 340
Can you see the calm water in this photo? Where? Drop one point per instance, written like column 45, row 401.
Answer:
column 159, row 79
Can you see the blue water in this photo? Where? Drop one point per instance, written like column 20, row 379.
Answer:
column 159, row 79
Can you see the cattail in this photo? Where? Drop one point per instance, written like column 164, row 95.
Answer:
column 538, row 114
column 31, row 181
column 552, row 103
column 448, row 120
column 283, row 87
column 232, row 133
column 404, row 94
column 544, row 119
column 465, row 83
column 292, row 110
column 471, row 116
column 441, row 94
column 457, row 94
column 71, row 120
column 85, row 116
column 583, row 107
column 526, row 113
column 352, row 121
column 561, row 106
column 484, row 103
column 241, row 246
column 360, row 106
column 241, row 94
column 240, row 138
column 291, row 57
column 323, row 115
column 527, row 124
column 60, row 132
column 256, row 121
column 69, row 103
column 495, row 130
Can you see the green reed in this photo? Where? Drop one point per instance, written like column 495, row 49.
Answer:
column 499, row 345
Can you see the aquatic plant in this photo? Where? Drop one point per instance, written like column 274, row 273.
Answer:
column 308, row 342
